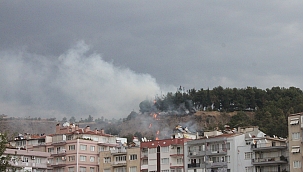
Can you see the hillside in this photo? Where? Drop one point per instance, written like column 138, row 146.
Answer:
column 145, row 125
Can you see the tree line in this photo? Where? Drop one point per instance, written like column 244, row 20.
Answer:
column 271, row 107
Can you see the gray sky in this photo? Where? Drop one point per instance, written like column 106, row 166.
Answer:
column 102, row 58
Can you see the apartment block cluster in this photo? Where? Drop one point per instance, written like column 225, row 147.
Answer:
column 75, row 149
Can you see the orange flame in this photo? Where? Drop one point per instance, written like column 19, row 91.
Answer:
column 155, row 116
column 158, row 132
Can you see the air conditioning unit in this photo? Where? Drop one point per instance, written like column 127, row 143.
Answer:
column 33, row 157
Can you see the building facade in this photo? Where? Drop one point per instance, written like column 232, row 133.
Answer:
column 247, row 149
column 165, row 155
column 295, row 135
column 28, row 161
column 120, row 159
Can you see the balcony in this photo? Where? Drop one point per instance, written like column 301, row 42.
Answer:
column 207, row 152
column 177, row 155
column 144, row 166
column 107, row 144
column 119, row 164
column 211, row 164
column 269, row 161
column 144, row 155
column 59, row 153
column 58, row 164
column 173, row 166
column 217, row 152
column 267, row 147
column 60, row 143
column 29, row 164
column 118, row 151
column 195, row 165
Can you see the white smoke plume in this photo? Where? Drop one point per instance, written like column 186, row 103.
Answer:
column 77, row 83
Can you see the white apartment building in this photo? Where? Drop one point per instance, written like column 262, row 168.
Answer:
column 247, row 150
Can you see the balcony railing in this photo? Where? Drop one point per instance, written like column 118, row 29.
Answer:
column 208, row 152
column 267, row 147
column 118, row 151
column 119, row 163
column 59, row 153
column 30, row 164
column 269, row 160
column 62, row 142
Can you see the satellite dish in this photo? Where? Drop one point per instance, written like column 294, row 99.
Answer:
column 66, row 124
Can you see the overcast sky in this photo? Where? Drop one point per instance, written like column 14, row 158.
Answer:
column 102, row 58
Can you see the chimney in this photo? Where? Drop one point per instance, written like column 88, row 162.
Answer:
column 96, row 131
column 102, row 131
column 77, row 127
column 58, row 128
column 87, row 128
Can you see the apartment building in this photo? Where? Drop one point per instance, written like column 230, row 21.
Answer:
column 120, row 159
column 245, row 149
column 295, row 135
column 165, row 155
column 28, row 161
column 71, row 149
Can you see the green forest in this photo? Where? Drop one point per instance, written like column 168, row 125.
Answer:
column 271, row 107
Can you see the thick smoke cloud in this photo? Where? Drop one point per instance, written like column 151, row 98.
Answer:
column 77, row 83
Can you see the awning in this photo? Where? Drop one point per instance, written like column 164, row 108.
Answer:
column 295, row 150
column 294, row 122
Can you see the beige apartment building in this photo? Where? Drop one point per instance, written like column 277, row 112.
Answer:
column 295, row 127
column 71, row 149
column 120, row 159
column 28, row 161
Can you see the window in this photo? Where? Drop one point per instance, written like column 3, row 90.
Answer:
column 297, row 164
column 25, row 159
column 133, row 157
column 38, row 160
column 82, row 169
column 152, row 150
column 215, row 147
column 120, row 158
column 248, row 155
column 165, row 149
column 248, row 169
column 71, row 147
column 101, row 149
column 71, row 169
column 71, row 158
column 107, row 160
column 92, row 148
column 92, row 169
column 295, row 149
column 83, row 147
column 92, row 159
column 179, row 161
column 50, row 150
column 144, row 162
column 121, row 169
column 133, row 169
column 69, row 137
column 106, row 170
column 164, row 170
column 228, row 146
column 82, row 158
column 164, row 161
column 227, row 158
column 294, row 121
column 295, row 136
